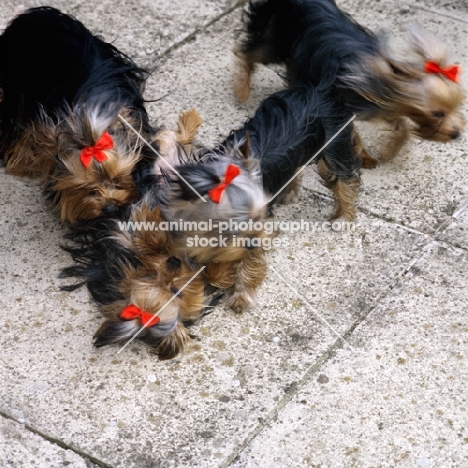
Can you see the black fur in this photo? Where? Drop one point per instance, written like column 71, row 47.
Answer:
column 315, row 39
column 289, row 128
column 99, row 260
column 48, row 59
column 50, row 63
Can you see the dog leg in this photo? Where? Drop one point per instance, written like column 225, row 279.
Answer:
column 367, row 161
column 221, row 275
column 400, row 137
column 244, row 68
column 344, row 192
column 249, row 276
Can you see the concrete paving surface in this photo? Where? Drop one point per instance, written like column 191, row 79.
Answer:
column 363, row 363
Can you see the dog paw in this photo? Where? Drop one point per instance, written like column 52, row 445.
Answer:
column 240, row 301
column 369, row 163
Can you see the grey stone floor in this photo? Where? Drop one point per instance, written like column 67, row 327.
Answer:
column 275, row 387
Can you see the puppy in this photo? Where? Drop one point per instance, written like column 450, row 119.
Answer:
column 288, row 132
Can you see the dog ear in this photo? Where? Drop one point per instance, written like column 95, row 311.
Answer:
column 427, row 45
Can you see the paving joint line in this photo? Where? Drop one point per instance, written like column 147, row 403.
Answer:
column 58, row 442
column 194, row 33
column 434, row 235
column 434, row 11
column 325, row 357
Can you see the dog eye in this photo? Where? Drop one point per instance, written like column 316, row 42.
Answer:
column 438, row 114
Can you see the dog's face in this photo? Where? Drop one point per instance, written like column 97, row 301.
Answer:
column 237, row 216
column 82, row 194
column 436, row 111
column 156, row 290
column 94, row 165
column 440, row 118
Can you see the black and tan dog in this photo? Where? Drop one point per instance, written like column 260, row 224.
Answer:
column 63, row 91
column 321, row 45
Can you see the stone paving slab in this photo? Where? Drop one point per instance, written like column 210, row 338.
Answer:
column 129, row 410
column 196, row 410
column 401, row 400
column 26, row 449
column 456, row 231
column 144, row 29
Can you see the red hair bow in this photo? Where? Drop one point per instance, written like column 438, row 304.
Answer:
column 97, row 151
column 450, row 72
column 132, row 312
column 215, row 193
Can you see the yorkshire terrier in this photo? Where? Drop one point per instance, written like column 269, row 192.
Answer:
column 234, row 184
column 205, row 203
column 141, row 287
column 215, row 206
column 288, row 129
column 321, row 45
column 61, row 123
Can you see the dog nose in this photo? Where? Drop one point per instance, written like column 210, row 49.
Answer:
column 455, row 134
column 110, row 210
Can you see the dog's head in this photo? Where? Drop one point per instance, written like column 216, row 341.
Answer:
column 420, row 84
column 220, row 206
column 96, row 156
column 437, row 111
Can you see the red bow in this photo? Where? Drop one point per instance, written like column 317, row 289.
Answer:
column 450, row 72
column 132, row 312
column 215, row 193
column 97, row 151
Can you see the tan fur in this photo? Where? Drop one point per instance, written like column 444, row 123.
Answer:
column 158, row 286
column 82, row 193
column 240, row 249
column 170, row 346
column 32, row 155
column 172, row 145
column 244, row 68
column 221, row 275
column 404, row 90
column 187, row 126
column 250, row 274
column 344, row 192
column 367, row 161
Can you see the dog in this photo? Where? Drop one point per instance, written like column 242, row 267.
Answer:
column 226, row 194
column 64, row 93
column 133, row 275
column 200, row 201
column 320, row 44
column 210, row 209
column 289, row 130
